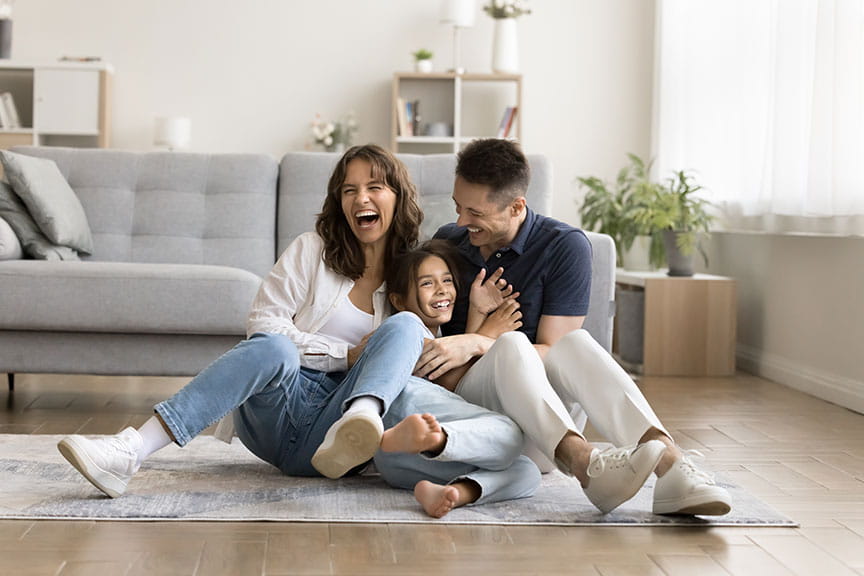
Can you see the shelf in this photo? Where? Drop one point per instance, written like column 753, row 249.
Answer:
column 468, row 104
column 425, row 139
column 58, row 104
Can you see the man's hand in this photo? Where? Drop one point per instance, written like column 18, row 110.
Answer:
column 505, row 319
column 354, row 353
column 446, row 353
column 488, row 294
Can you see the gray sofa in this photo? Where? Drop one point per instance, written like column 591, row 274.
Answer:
column 181, row 242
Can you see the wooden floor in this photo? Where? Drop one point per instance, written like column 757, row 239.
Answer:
column 802, row 455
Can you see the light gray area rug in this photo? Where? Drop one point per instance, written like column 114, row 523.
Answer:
column 214, row 481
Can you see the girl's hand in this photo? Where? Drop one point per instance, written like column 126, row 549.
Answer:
column 354, row 353
column 488, row 295
column 506, row 318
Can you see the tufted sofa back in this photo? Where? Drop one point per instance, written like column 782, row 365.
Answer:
column 174, row 208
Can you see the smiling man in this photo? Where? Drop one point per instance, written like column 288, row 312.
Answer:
column 551, row 368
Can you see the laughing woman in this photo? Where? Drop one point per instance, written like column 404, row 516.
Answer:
column 317, row 338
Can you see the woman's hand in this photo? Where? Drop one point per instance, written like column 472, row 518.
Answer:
column 505, row 319
column 488, row 294
column 354, row 353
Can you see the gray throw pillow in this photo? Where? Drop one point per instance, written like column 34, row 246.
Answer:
column 10, row 246
column 35, row 244
column 49, row 198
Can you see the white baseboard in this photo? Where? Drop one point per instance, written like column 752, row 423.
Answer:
column 836, row 389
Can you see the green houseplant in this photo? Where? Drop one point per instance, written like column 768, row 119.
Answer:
column 423, row 60
column 678, row 220
column 608, row 208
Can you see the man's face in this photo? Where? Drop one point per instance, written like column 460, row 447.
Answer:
column 490, row 227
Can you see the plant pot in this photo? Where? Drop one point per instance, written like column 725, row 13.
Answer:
column 680, row 264
column 638, row 257
column 424, row 66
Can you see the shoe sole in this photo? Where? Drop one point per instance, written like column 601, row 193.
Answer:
column 693, row 507
column 354, row 443
column 101, row 479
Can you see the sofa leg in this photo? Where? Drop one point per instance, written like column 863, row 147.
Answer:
column 11, row 377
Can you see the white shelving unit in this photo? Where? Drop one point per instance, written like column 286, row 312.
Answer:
column 60, row 104
column 470, row 105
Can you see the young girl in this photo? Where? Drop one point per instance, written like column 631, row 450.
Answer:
column 423, row 282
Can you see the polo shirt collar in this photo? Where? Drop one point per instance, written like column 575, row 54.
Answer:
column 518, row 244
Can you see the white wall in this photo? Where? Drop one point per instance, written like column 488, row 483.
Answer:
column 800, row 310
column 252, row 75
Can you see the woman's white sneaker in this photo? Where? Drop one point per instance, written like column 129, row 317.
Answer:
column 108, row 462
column 351, row 441
column 617, row 474
column 685, row 489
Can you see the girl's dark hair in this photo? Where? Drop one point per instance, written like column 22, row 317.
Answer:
column 342, row 251
column 403, row 274
column 497, row 163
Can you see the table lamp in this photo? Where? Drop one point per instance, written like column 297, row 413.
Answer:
column 173, row 132
column 459, row 14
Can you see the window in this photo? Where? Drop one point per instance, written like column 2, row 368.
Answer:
column 764, row 101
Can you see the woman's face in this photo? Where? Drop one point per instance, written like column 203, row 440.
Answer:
column 433, row 294
column 368, row 204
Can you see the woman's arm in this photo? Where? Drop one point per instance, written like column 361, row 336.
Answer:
column 283, row 304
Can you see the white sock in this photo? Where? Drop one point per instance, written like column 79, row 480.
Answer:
column 154, row 437
column 366, row 404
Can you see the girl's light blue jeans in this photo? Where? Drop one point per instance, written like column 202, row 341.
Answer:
column 281, row 410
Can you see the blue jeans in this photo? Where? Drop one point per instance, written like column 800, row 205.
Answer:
column 282, row 410
column 482, row 446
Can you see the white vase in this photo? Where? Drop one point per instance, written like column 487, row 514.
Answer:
column 505, row 46
column 424, row 66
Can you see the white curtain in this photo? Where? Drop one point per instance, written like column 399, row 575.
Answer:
column 764, row 101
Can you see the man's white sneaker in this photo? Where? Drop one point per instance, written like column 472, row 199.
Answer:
column 351, row 441
column 108, row 462
column 685, row 489
column 617, row 474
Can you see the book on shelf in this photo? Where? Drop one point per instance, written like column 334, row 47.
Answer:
column 506, row 124
column 8, row 111
column 407, row 117
column 401, row 120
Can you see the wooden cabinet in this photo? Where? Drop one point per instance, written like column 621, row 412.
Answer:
column 63, row 104
column 689, row 323
column 454, row 109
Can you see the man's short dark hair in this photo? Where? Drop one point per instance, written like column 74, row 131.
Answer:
column 497, row 163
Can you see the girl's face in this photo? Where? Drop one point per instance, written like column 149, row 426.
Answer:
column 368, row 204
column 433, row 294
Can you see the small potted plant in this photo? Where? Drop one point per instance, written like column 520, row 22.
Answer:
column 423, row 60
column 678, row 218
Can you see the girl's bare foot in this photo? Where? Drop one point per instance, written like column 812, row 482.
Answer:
column 416, row 433
column 437, row 500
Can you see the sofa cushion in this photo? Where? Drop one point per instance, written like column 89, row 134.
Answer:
column 10, row 246
column 51, row 202
column 123, row 297
column 35, row 244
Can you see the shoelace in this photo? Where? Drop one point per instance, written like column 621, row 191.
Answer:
column 121, row 445
column 687, row 463
column 599, row 459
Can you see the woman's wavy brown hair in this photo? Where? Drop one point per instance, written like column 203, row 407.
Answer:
column 342, row 251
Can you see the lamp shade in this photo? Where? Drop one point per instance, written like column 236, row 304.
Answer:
column 459, row 13
column 172, row 131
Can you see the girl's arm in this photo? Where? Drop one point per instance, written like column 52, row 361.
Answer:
column 485, row 297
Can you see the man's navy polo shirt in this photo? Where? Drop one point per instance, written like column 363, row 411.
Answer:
column 549, row 262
